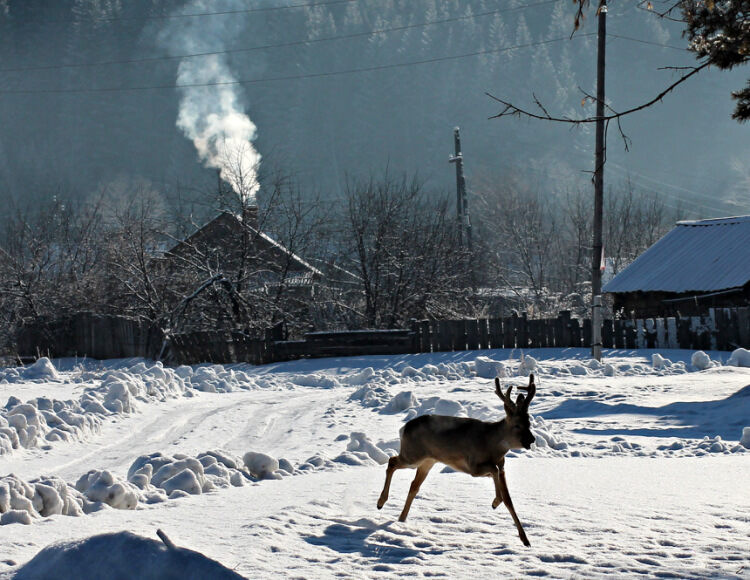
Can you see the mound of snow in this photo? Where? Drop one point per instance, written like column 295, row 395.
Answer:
column 487, row 368
column 261, row 465
column 745, row 441
column 46, row 496
column 371, row 396
column 401, row 402
column 578, row 370
column 528, row 365
column 659, row 362
column 438, row 406
column 700, row 360
column 316, row 380
column 121, row 555
column 739, row 358
column 359, row 442
column 102, row 487
column 42, row 369
column 359, row 378
column 544, row 435
column 190, row 475
column 410, row 372
column 448, row 407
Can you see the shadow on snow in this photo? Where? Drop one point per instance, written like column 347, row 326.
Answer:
column 723, row 417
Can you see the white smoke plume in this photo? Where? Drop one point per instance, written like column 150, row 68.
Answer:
column 213, row 117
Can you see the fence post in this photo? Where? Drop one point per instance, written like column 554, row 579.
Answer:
column 484, row 335
column 743, row 327
column 563, row 329
column 472, row 334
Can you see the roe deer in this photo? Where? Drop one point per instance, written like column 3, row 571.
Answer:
column 469, row 445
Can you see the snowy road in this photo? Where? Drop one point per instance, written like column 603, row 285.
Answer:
column 235, row 422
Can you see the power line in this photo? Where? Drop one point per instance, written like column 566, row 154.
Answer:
column 283, row 44
column 696, row 205
column 649, row 42
column 195, row 14
column 293, row 77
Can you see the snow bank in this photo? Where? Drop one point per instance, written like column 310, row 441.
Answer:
column 739, row 358
column 359, row 378
column 121, row 555
column 159, row 476
column 43, row 420
column 23, row 502
column 102, row 487
column 320, row 381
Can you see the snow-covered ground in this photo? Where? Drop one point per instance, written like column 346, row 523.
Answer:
column 640, row 468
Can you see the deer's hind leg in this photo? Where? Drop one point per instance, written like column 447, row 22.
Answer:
column 422, row 471
column 394, row 463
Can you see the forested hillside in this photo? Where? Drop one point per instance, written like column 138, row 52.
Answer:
column 344, row 88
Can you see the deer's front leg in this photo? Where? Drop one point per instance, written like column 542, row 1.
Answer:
column 502, row 489
column 498, row 488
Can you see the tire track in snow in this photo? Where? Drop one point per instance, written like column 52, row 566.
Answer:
column 235, row 422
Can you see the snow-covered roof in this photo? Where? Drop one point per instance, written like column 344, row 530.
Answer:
column 696, row 256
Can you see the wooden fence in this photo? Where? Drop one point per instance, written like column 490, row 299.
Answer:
column 720, row 329
column 115, row 337
column 86, row 334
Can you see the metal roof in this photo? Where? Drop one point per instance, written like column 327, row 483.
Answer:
column 696, row 256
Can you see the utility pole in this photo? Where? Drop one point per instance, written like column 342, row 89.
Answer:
column 596, row 273
column 462, row 202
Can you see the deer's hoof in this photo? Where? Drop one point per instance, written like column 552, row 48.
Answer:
column 495, row 503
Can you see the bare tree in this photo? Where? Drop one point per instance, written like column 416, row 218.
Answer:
column 401, row 249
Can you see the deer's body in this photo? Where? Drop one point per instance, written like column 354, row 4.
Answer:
column 449, row 439
column 468, row 445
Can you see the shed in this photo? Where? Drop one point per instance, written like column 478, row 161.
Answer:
column 698, row 265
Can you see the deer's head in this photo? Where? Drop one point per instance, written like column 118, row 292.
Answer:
column 517, row 414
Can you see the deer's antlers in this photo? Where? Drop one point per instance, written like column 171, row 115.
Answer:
column 522, row 402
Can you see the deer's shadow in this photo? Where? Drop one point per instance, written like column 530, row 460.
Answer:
column 383, row 542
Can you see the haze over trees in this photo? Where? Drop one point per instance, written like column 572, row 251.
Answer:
column 66, row 130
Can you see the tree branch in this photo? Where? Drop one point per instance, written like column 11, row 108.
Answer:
column 512, row 110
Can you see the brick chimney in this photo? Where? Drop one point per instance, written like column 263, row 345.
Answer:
column 250, row 216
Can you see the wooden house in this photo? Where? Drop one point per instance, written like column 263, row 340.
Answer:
column 230, row 260
column 696, row 266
